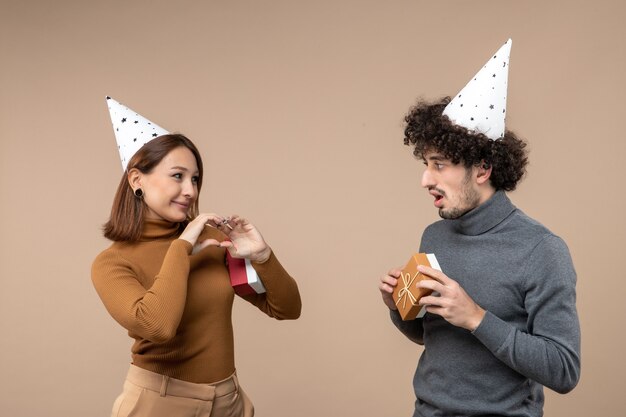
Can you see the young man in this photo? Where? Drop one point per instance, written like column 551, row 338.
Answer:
column 504, row 323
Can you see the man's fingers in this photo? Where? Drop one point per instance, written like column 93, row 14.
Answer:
column 434, row 274
column 435, row 310
column 389, row 280
column 386, row 288
column 395, row 272
column 431, row 284
column 388, row 283
column 431, row 300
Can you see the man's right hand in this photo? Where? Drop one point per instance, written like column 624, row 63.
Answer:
column 386, row 286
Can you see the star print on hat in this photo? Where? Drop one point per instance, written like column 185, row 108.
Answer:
column 481, row 105
column 132, row 130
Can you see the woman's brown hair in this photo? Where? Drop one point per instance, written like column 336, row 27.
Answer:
column 128, row 211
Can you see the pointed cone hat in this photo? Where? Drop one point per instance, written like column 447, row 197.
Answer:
column 132, row 130
column 481, row 105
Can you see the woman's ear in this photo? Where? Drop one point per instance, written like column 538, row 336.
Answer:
column 134, row 178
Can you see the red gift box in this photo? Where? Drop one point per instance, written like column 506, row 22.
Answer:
column 243, row 277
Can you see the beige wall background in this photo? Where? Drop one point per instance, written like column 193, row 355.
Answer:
column 297, row 108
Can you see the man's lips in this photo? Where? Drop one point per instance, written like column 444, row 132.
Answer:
column 438, row 197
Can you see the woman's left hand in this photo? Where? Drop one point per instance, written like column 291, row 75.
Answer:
column 245, row 241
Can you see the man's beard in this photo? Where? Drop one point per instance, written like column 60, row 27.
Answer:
column 468, row 200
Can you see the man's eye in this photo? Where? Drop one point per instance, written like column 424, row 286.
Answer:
column 439, row 166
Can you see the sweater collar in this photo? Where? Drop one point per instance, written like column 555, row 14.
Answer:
column 484, row 217
column 158, row 229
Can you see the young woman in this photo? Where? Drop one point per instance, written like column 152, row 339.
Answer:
column 165, row 280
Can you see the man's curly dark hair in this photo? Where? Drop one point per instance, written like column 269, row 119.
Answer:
column 430, row 131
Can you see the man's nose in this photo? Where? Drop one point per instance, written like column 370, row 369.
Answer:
column 427, row 179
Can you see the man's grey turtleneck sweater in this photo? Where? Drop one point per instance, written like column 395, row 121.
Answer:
column 522, row 275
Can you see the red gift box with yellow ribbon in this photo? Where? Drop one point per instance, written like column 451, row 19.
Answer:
column 406, row 295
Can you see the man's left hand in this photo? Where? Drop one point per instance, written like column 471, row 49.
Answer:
column 453, row 303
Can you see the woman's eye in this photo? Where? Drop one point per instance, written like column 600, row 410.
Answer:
column 195, row 179
column 178, row 176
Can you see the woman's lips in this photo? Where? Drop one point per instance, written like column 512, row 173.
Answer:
column 183, row 206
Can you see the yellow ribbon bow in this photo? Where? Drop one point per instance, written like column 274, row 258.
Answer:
column 405, row 292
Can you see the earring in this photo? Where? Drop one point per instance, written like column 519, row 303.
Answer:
column 138, row 193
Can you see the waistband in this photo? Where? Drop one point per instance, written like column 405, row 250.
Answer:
column 165, row 385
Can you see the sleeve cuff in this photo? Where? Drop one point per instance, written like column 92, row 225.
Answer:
column 182, row 243
column 492, row 331
column 271, row 264
column 271, row 271
column 395, row 316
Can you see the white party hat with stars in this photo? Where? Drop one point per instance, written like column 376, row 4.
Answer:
column 481, row 105
column 132, row 130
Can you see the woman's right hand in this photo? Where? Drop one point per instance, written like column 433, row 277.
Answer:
column 196, row 226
